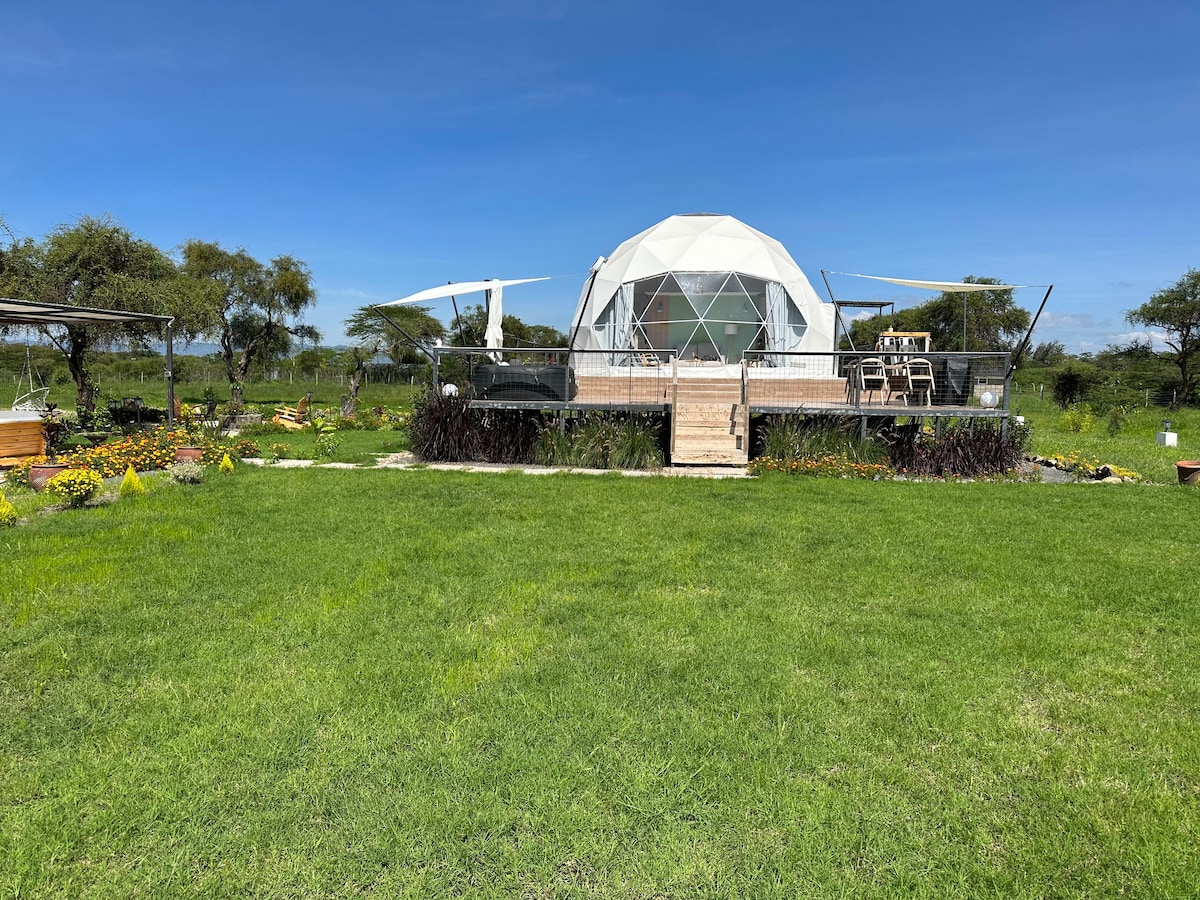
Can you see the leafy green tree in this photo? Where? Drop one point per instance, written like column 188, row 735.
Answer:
column 1176, row 310
column 473, row 322
column 1049, row 353
column 253, row 311
column 97, row 263
column 994, row 321
column 312, row 361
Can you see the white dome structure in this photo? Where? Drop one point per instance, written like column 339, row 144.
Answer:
column 703, row 288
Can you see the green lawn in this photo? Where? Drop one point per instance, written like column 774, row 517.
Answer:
column 424, row 684
column 360, row 447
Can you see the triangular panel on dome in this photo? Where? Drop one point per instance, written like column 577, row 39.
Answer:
column 733, row 288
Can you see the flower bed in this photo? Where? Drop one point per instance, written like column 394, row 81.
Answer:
column 831, row 465
column 143, row 452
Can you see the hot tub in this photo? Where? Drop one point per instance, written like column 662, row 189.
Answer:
column 20, row 434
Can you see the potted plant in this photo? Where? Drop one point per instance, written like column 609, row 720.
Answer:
column 54, row 433
column 191, row 451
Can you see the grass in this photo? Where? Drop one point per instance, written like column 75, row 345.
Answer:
column 1134, row 447
column 270, row 393
column 359, row 447
column 422, row 684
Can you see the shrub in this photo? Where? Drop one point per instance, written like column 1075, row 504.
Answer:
column 326, row 446
column 553, row 446
column 1069, row 386
column 226, row 466
column 602, row 441
column 1077, row 418
column 796, row 437
column 1117, row 418
column 965, row 449
column 76, row 486
column 445, row 428
column 144, row 450
column 509, row 436
column 8, row 513
column 131, row 485
column 186, row 472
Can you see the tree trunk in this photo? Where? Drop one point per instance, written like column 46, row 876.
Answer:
column 356, row 378
column 85, row 390
column 227, row 353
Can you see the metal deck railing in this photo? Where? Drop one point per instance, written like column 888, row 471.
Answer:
column 855, row 383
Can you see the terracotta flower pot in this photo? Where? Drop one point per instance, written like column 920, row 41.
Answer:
column 1188, row 471
column 40, row 473
column 189, row 454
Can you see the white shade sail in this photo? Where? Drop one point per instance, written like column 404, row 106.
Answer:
column 460, row 287
column 949, row 287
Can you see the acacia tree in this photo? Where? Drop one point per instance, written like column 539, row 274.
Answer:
column 371, row 334
column 253, row 310
column 99, row 264
column 1176, row 310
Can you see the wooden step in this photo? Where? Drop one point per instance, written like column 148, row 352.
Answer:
column 707, row 458
column 707, row 433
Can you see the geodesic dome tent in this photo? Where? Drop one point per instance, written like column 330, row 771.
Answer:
column 703, row 288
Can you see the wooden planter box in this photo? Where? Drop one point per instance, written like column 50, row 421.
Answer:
column 20, row 437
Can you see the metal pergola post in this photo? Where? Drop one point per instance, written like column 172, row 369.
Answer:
column 170, row 373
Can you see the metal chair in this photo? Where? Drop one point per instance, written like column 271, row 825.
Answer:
column 872, row 378
column 920, row 378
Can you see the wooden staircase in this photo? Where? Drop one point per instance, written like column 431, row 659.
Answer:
column 708, row 422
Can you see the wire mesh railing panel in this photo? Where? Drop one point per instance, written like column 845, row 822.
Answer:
column 944, row 383
column 853, row 381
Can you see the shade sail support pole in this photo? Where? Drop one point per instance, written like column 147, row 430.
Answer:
column 1024, row 345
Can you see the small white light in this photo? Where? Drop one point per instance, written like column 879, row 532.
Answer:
column 988, row 400
column 449, row 390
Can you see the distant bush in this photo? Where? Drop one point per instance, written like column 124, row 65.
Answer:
column 1070, row 386
column 261, row 428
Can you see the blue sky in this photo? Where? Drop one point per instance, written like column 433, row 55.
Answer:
column 394, row 147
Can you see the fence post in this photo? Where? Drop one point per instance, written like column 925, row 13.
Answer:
column 674, row 398
column 746, row 407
